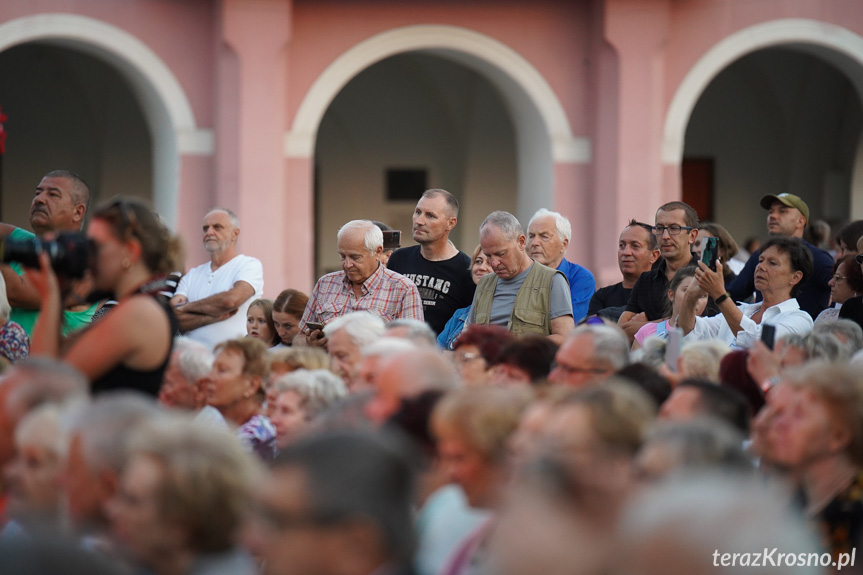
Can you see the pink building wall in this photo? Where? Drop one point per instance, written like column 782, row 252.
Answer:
column 246, row 66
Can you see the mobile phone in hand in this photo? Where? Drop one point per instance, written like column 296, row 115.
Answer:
column 313, row 325
column 768, row 335
column 672, row 348
column 709, row 252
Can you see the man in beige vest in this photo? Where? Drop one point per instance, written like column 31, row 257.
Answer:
column 524, row 296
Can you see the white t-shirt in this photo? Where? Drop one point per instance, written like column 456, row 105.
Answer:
column 201, row 283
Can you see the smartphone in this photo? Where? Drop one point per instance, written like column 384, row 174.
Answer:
column 392, row 239
column 313, row 325
column 768, row 335
column 672, row 348
column 709, row 252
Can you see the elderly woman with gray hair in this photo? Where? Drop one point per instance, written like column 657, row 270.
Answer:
column 299, row 397
column 182, row 499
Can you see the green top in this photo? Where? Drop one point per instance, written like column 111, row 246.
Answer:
column 72, row 320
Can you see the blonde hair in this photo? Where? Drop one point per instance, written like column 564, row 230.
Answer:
column 207, row 480
column 483, row 417
column 301, row 358
column 701, row 359
column 841, row 389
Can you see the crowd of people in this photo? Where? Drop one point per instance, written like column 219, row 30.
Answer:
column 428, row 411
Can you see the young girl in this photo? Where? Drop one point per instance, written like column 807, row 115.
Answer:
column 287, row 311
column 676, row 289
column 259, row 322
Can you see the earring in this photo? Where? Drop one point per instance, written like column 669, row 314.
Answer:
column 126, row 263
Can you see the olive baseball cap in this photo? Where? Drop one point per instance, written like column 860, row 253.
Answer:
column 789, row 200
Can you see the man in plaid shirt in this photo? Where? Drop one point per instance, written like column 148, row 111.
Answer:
column 364, row 284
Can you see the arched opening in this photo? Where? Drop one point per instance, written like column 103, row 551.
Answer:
column 543, row 133
column 69, row 110
column 812, row 52
column 776, row 120
column 161, row 100
column 413, row 114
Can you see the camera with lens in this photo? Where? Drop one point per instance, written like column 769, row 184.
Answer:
column 69, row 253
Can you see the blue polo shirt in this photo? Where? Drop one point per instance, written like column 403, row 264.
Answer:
column 581, row 287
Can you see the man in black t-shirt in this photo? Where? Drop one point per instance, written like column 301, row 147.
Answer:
column 637, row 251
column 440, row 271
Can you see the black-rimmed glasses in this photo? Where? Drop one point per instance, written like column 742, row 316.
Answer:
column 673, row 230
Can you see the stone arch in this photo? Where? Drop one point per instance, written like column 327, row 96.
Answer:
column 835, row 44
column 544, row 132
column 159, row 93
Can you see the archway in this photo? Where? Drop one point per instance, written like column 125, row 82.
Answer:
column 832, row 53
column 162, row 102
column 544, row 134
column 413, row 115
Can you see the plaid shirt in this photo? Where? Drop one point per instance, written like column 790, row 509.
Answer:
column 385, row 293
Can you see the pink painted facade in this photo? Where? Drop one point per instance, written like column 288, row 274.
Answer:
column 609, row 84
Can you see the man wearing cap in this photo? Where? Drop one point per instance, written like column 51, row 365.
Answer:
column 787, row 215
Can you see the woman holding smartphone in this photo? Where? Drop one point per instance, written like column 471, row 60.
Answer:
column 783, row 265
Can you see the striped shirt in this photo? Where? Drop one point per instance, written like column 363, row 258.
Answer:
column 385, row 293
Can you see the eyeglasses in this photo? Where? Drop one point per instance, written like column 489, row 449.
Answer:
column 573, row 370
column 837, row 278
column 673, row 230
column 466, row 357
column 859, row 259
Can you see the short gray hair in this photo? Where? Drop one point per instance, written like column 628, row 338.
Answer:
column 734, row 514
column 847, row 331
column 363, row 327
column 318, row 389
column 564, row 228
column 386, row 347
column 104, row 427
column 819, row 346
column 704, row 443
column 44, row 380
column 416, row 331
column 194, row 359
column 373, row 237
column 505, row 222
column 207, row 482
column 45, row 426
column 235, row 221
column 609, row 341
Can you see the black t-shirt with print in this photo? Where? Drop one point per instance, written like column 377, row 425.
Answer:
column 444, row 286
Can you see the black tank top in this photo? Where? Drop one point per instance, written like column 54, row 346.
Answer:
column 148, row 382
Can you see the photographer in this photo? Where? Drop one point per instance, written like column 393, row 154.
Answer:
column 60, row 204
column 130, row 347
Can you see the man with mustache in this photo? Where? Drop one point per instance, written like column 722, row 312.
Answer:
column 59, row 205
column 440, row 271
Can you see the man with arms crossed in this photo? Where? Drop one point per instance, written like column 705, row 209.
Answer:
column 212, row 299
